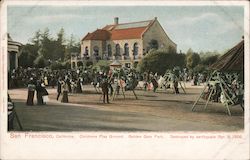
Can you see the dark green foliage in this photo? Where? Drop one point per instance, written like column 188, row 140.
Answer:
column 89, row 63
column 56, row 65
column 44, row 48
column 72, row 47
column 66, row 64
column 209, row 58
column 28, row 53
column 60, row 65
column 159, row 62
column 102, row 65
column 40, row 62
column 192, row 59
column 200, row 68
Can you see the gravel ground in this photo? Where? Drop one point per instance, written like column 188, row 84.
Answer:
column 161, row 111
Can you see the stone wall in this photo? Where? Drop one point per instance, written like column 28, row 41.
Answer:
column 85, row 43
column 156, row 32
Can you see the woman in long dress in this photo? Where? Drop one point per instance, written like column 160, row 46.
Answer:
column 44, row 94
column 31, row 92
column 65, row 90
column 78, row 86
column 39, row 93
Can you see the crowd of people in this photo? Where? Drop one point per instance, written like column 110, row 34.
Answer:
column 38, row 79
column 72, row 81
column 67, row 81
column 225, row 88
column 19, row 77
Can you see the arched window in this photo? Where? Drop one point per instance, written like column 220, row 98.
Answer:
column 73, row 65
column 126, row 50
column 86, row 53
column 117, row 50
column 135, row 50
column 96, row 51
column 109, row 51
column 153, row 44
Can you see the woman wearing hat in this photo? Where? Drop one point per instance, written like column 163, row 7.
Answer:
column 44, row 94
column 39, row 93
column 65, row 90
column 31, row 92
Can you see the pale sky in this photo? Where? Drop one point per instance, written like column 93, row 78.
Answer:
column 202, row 28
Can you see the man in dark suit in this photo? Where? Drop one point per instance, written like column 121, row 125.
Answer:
column 105, row 89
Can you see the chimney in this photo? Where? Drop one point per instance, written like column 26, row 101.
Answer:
column 116, row 20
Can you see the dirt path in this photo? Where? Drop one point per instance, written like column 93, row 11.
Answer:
column 161, row 111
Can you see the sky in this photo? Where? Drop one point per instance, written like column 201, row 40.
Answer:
column 202, row 28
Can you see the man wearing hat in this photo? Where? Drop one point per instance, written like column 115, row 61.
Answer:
column 105, row 88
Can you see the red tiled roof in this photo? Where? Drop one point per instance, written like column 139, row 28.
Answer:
column 130, row 33
column 132, row 30
column 99, row 34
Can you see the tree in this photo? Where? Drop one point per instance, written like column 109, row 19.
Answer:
column 59, row 45
column 46, row 48
column 56, row 65
column 43, row 48
column 28, row 54
column 50, row 48
column 159, row 62
column 199, row 68
column 72, row 47
column 66, row 64
column 209, row 58
column 36, row 40
column 192, row 59
column 190, row 51
column 40, row 62
column 171, row 49
column 102, row 65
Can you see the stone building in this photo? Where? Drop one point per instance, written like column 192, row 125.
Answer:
column 126, row 42
column 13, row 53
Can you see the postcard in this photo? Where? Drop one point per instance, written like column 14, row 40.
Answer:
column 124, row 80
